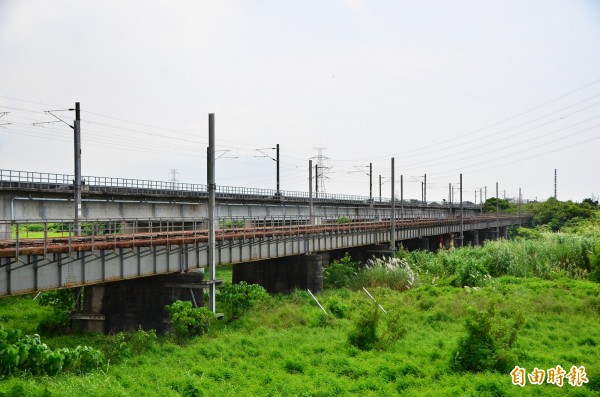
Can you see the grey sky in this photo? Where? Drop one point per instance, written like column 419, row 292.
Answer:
column 498, row 90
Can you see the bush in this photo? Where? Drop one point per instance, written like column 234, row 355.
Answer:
column 58, row 322
column 340, row 273
column 338, row 308
column 364, row 333
column 21, row 354
column 239, row 298
column 487, row 344
column 188, row 321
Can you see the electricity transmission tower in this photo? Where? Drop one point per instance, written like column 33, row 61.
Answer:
column 321, row 167
column 173, row 176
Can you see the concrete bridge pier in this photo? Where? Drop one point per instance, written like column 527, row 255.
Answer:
column 127, row 305
column 283, row 274
column 471, row 238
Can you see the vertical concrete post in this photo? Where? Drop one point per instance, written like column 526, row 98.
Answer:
column 393, row 216
column 311, row 214
column 211, row 213
column 497, row 213
column 401, row 196
column 462, row 225
column 77, row 181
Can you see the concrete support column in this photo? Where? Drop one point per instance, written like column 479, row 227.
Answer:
column 283, row 274
column 92, row 305
column 475, row 237
column 127, row 305
column 504, row 232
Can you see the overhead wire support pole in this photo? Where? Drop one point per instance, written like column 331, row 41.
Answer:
column 393, row 216
column 402, row 196
column 77, row 181
column 211, row 213
column 277, row 148
column 425, row 188
column 497, row 214
column 371, row 181
column 311, row 214
column 462, row 225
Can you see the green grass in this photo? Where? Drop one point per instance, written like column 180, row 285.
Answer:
column 286, row 347
column 25, row 232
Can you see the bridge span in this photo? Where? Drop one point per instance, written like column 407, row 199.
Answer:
column 40, row 196
column 36, row 264
column 145, row 244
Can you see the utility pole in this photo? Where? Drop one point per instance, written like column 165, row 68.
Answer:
column 449, row 200
column 310, row 194
column 402, row 196
column 211, row 214
column 497, row 214
column 462, row 226
column 425, row 188
column 393, row 216
column 316, row 180
column 277, row 169
column 370, row 181
column 380, row 188
column 77, row 182
column 480, row 201
column 520, row 200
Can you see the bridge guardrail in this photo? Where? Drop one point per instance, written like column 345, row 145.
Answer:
column 53, row 182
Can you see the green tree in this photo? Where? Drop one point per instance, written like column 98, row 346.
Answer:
column 503, row 205
column 557, row 214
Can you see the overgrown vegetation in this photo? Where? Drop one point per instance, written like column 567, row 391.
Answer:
column 487, row 343
column 189, row 321
column 57, row 322
column 239, row 298
column 455, row 323
column 26, row 354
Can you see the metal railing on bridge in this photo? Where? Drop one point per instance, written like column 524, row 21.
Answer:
column 59, row 182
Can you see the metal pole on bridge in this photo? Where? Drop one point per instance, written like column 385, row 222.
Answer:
column 393, row 216
column 77, row 181
column 402, row 196
column 497, row 214
column 211, row 213
column 311, row 215
column 462, row 225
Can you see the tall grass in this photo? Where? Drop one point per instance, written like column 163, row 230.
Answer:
column 552, row 256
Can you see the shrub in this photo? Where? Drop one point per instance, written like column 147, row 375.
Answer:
column 340, row 273
column 364, row 332
column 239, row 298
column 338, row 308
column 20, row 354
column 487, row 344
column 61, row 302
column 188, row 321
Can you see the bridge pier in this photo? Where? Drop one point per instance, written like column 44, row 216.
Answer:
column 283, row 274
column 127, row 305
column 471, row 238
